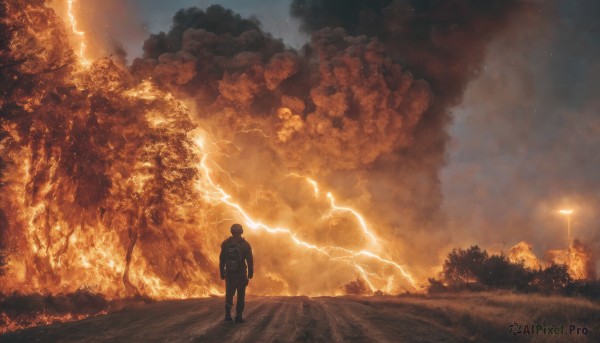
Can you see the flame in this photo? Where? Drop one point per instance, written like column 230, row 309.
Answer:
column 522, row 252
column 43, row 318
column 111, row 187
column 577, row 259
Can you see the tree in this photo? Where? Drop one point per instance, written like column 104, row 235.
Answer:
column 498, row 272
column 436, row 286
column 356, row 287
column 553, row 279
column 495, row 271
column 463, row 266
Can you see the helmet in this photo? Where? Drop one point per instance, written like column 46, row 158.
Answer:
column 236, row 228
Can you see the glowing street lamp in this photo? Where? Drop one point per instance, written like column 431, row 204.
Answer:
column 568, row 213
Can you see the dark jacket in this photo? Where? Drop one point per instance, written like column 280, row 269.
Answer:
column 246, row 251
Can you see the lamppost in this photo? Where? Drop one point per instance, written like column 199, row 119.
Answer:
column 568, row 213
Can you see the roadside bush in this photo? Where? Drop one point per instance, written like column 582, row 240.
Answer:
column 474, row 270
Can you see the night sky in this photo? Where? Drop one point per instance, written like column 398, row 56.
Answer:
column 524, row 141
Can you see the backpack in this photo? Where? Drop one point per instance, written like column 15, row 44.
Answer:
column 233, row 257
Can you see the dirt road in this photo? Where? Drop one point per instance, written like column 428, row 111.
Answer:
column 303, row 319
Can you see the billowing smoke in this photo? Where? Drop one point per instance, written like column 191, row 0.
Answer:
column 441, row 41
column 363, row 107
column 101, row 164
column 340, row 111
column 346, row 101
column 102, row 187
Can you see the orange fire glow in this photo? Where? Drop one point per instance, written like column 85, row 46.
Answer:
column 154, row 225
column 577, row 258
column 40, row 319
column 214, row 192
column 522, row 252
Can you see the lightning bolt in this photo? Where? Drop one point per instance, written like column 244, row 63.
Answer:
column 354, row 213
column 357, row 215
column 78, row 33
column 215, row 192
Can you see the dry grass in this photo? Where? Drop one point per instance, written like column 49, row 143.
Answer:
column 487, row 316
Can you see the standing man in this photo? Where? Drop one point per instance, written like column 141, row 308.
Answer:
column 236, row 256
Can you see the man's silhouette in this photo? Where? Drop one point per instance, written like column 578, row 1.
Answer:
column 236, row 255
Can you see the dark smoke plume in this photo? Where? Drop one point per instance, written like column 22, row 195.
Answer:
column 346, row 109
column 442, row 41
column 342, row 92
column 331, row 111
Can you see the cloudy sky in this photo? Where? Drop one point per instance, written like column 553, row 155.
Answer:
column 273, row 14
column 526, row 139
column 131, row 21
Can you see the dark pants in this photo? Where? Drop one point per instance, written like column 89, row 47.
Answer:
column 235, row 283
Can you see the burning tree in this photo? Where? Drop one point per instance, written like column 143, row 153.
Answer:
column 474, row 269
column 578, row 258
column 3, row 226
column 98, row 172
column 464, row 266
column 522, row 252
column 108, row 181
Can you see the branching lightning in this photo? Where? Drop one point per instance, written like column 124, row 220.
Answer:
column 357, row 215
column 214, row 192
column 105, row 260
column 336, row 208
column 78, row 33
